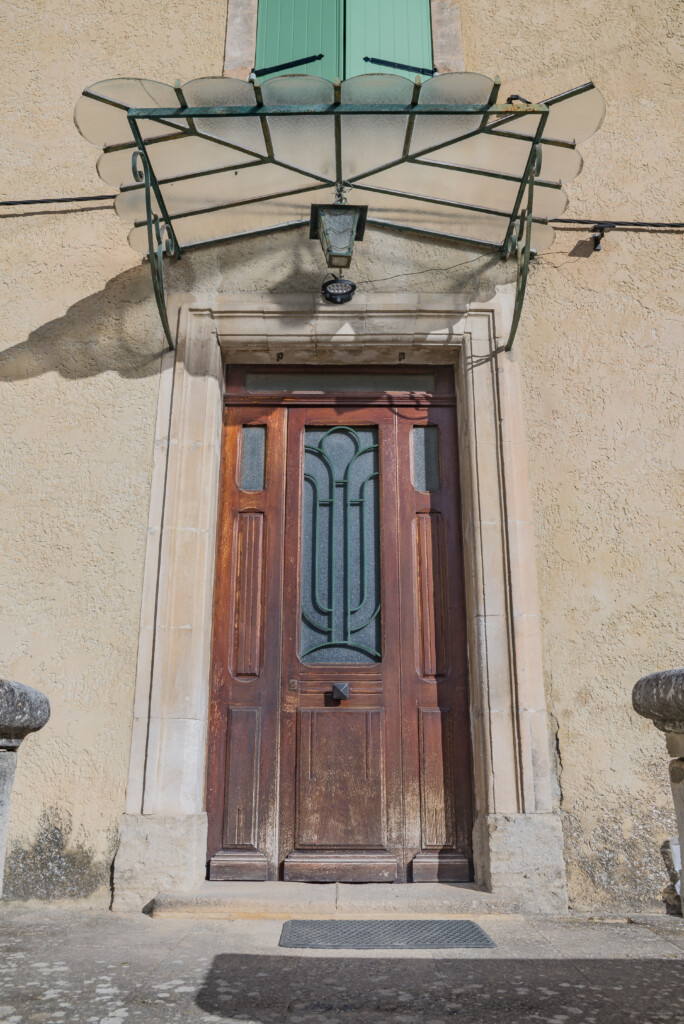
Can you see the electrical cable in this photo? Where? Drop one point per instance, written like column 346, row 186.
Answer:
column 617, row 223
column 61, row 199
column 555, row 220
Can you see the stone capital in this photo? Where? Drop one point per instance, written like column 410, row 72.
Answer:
column 22, row 710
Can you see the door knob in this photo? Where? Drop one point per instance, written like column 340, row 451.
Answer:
column 340, row 691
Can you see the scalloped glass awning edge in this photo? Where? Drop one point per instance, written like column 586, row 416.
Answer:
column 219, row 158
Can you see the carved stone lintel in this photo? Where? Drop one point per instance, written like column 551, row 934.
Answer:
column 22, row 710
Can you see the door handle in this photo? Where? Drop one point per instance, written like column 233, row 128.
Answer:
column 340, row 691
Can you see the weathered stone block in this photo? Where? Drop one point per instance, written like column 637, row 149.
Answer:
column 158, row 853
column 522, row 855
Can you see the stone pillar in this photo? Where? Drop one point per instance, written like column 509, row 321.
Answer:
column 22, row 710
column 660, row 697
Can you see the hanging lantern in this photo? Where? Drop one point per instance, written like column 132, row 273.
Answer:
column 337, row 227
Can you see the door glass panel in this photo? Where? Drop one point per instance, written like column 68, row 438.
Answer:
column 326, row 383
column 253, row 458
column 340, row 613
column 425, row 458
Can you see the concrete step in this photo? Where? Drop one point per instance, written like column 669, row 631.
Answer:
column 282, row 900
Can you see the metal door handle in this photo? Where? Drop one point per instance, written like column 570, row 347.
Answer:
column 340, row 691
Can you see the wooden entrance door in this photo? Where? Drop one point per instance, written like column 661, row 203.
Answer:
column 339, row 738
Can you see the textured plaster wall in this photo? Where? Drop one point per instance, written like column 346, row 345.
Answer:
column 79, row 347
column 600, row 348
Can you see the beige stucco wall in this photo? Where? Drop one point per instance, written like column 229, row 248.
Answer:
column 601, row 359
column 601, row 349
column 79, row 347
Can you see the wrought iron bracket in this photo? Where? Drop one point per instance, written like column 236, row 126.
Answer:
column 161, row 236
column 161, row 240
column 519, row 240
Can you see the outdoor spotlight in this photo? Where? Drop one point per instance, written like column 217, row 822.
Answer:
column 338, row 226
column 338, row 289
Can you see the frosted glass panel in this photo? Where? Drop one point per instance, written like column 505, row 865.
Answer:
column 340, row 612
column 208, row 226
column 463, row 88
column 213, row 190
column 426, row 458
column 491, row 193
column 226, row 92
column 188, row 154
column 253, row 458
column 302, row 141
column 370, row 141
column 573, row 119
column 105, row 125
column 498, row 153
column 329, row 383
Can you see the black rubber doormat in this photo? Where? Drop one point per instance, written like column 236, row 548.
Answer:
column 384, row 935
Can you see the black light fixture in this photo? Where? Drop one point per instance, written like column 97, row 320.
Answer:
column 337, row 226
column 337, row 289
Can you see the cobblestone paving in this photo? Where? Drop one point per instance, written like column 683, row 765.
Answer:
column 69, row 967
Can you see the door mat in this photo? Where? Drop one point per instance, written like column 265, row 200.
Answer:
column 384, row 935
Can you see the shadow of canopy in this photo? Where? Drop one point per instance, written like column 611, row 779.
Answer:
column 487, row 989
column 117, row 329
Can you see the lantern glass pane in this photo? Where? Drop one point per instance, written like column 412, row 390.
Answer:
column 336, row 228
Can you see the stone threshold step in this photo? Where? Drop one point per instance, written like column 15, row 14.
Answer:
column 309, row 901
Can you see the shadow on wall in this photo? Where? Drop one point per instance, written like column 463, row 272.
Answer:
column 313, row 990
column 117, row 329
column 104, row 332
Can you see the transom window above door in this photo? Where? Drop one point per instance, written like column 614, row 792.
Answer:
column 346, row 38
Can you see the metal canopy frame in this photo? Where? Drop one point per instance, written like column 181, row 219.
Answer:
column 494, row 116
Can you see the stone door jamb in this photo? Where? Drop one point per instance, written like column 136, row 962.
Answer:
column 517, row 835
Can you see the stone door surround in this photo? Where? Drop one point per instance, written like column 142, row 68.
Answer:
column 517, row 835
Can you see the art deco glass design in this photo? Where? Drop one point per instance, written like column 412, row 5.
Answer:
column 340, row 613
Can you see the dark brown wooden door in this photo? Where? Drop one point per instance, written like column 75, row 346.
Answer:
column 339, row 737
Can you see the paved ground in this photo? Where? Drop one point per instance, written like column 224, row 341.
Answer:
column 69, row 967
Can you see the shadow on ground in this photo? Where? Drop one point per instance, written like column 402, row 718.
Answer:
column 275, row 990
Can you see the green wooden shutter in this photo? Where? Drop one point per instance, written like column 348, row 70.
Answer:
column 293, row 29
column 396, row 30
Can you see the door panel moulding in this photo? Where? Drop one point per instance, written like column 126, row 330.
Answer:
column 241, row 28
column 517, row 833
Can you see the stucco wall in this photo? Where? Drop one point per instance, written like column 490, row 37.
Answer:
column 600, row 353
column 602, row 360
column 79, row 345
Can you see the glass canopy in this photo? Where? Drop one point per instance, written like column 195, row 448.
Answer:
column 219, row 158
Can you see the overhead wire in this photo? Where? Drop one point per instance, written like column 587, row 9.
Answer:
column 597, row 222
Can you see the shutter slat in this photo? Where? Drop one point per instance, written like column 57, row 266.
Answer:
column 290, row 30
column 394, row 30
